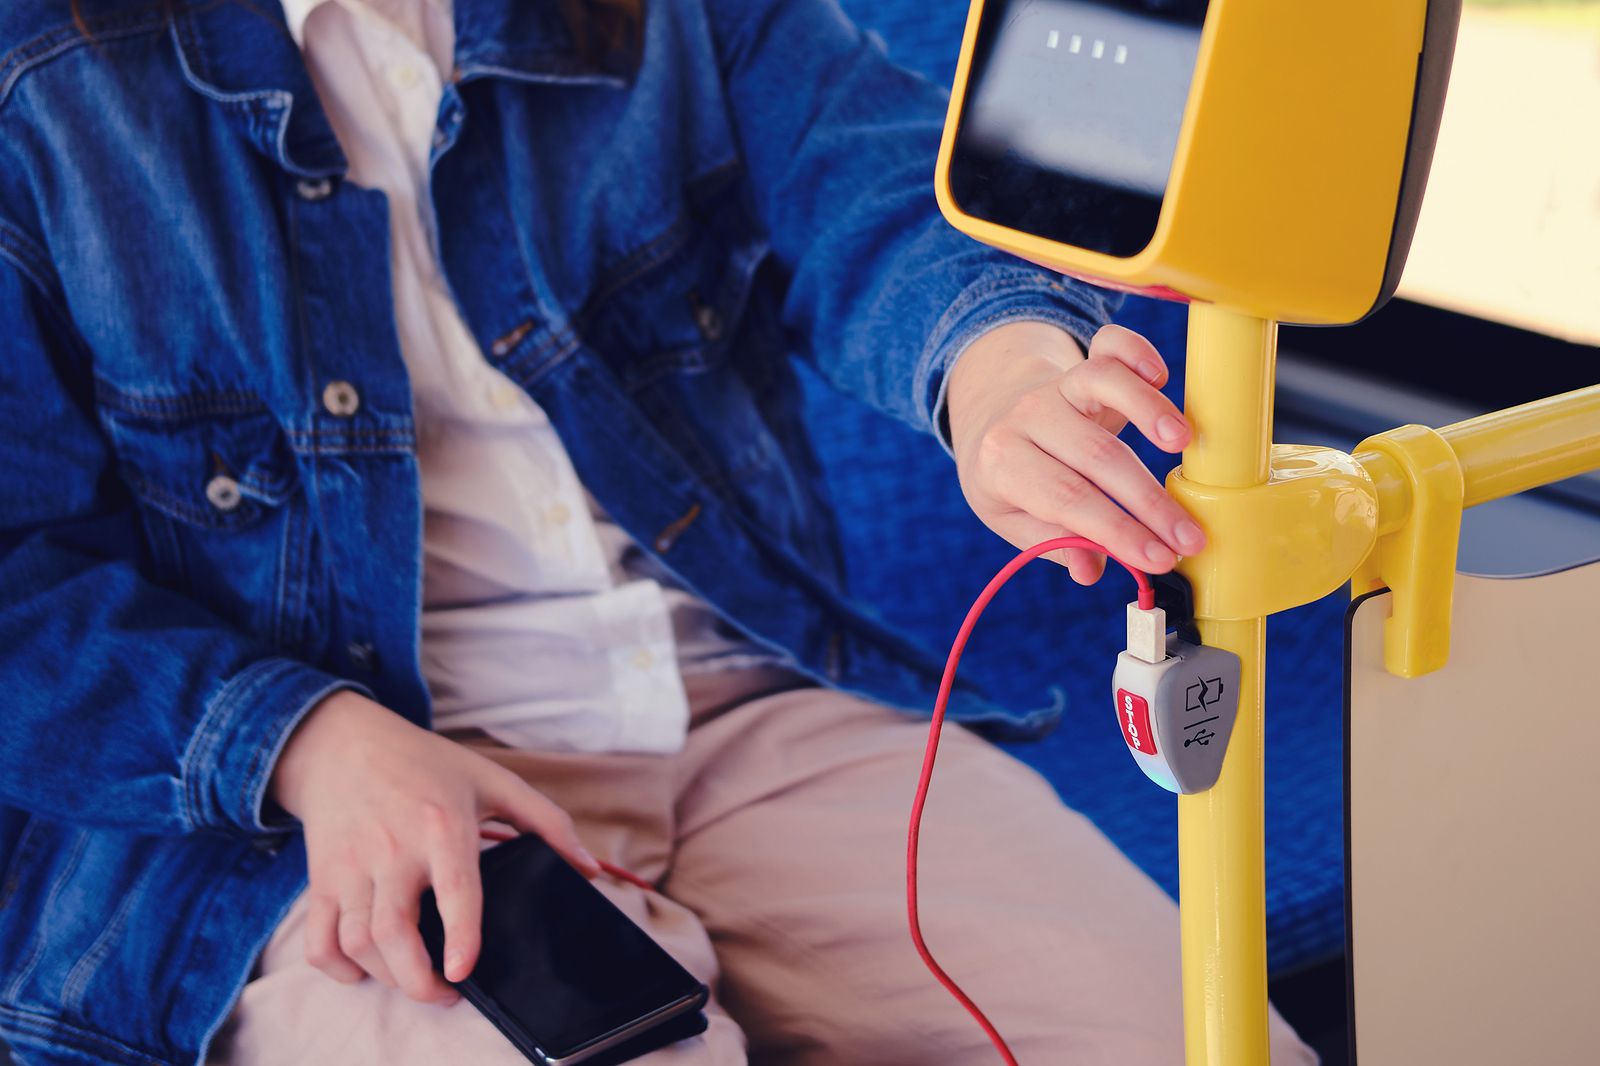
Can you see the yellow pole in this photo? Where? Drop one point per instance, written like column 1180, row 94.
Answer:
column 1221, row 877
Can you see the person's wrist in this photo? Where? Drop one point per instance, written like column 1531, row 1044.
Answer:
column 1006, row 360
column 287, row 785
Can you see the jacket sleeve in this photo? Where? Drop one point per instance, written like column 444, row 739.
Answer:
column 841, row 144
column 123, row 703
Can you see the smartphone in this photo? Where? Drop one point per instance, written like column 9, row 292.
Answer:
column 565, row 975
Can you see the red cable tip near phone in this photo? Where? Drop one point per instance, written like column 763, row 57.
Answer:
column 1147, row 600
column 610, row 869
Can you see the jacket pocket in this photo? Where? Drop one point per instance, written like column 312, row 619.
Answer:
column 219, row 492
column 665, row 295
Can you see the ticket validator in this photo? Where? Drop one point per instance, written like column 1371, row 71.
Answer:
column 1263, row 160
column 1262, row 155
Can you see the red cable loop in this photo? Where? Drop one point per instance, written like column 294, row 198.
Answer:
column 1147, row 600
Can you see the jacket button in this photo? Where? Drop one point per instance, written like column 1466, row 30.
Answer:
column 833, row 664
column 709, row 321
column 362, row 655
column 223, row 492
column 314, row 189
column 341, row 398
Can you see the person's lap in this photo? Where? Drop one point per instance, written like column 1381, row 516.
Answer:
column 778, row 840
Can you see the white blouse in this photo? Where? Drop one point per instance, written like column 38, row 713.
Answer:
column 542, row 623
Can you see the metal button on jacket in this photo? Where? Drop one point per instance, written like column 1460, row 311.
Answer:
column 314, row 189
column 223, row 492
column 709, row 321
column 362, row 655
column 341, row 398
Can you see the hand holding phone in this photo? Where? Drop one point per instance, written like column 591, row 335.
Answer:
column 389, row 808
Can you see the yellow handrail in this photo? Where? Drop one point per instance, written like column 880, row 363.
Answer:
column 1503, row 453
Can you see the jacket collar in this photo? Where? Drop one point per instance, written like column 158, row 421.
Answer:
column 240, row 54
column 525, row 40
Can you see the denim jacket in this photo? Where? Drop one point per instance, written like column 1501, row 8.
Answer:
column 209, row 506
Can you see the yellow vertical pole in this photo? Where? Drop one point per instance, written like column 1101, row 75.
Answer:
column 1228, row 399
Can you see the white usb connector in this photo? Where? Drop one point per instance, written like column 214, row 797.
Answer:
column 1147, row 633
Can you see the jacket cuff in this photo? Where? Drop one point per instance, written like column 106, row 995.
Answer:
column 1006, row 294
column 236, row 745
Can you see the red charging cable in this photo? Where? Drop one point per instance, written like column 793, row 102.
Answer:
column 1147, row 600
column 610, row 869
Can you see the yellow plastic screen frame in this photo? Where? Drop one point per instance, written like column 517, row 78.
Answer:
column 1284, row 192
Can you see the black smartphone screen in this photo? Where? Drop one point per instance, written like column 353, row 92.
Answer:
column 560, row 962
column 1071, row 117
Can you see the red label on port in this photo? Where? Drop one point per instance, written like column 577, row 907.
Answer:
column 1134, row 714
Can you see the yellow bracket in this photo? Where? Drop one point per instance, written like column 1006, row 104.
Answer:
column 1288, row 541
column 1417, row 561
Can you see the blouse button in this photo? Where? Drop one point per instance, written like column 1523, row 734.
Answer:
column 223, row 492
column 505, row 397
column 341, row 398
column 314, row 189
column 405, row 76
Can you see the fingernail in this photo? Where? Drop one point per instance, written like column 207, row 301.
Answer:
column 1190, row 539
column 1159, row 554
column 1169, row 428
column 1151, row 372
column 452, row 965
column 586, row 858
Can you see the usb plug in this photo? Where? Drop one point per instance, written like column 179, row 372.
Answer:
column 1147, row 633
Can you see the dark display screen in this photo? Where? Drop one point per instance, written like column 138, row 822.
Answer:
column 572, row 968
column 1071, row 117
column 560, row 963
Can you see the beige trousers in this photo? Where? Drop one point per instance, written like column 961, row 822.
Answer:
column 777, row 839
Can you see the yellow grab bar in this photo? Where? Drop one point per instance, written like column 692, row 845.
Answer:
column 1503, row 453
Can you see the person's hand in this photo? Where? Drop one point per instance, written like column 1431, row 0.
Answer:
column 1034, row 424
column 389, row 809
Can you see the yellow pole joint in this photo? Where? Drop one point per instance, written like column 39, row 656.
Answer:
column 1287, row 541
column 1417, row 560
column 1425, row 478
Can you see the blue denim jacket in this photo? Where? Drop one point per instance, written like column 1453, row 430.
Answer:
column 199, row 538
